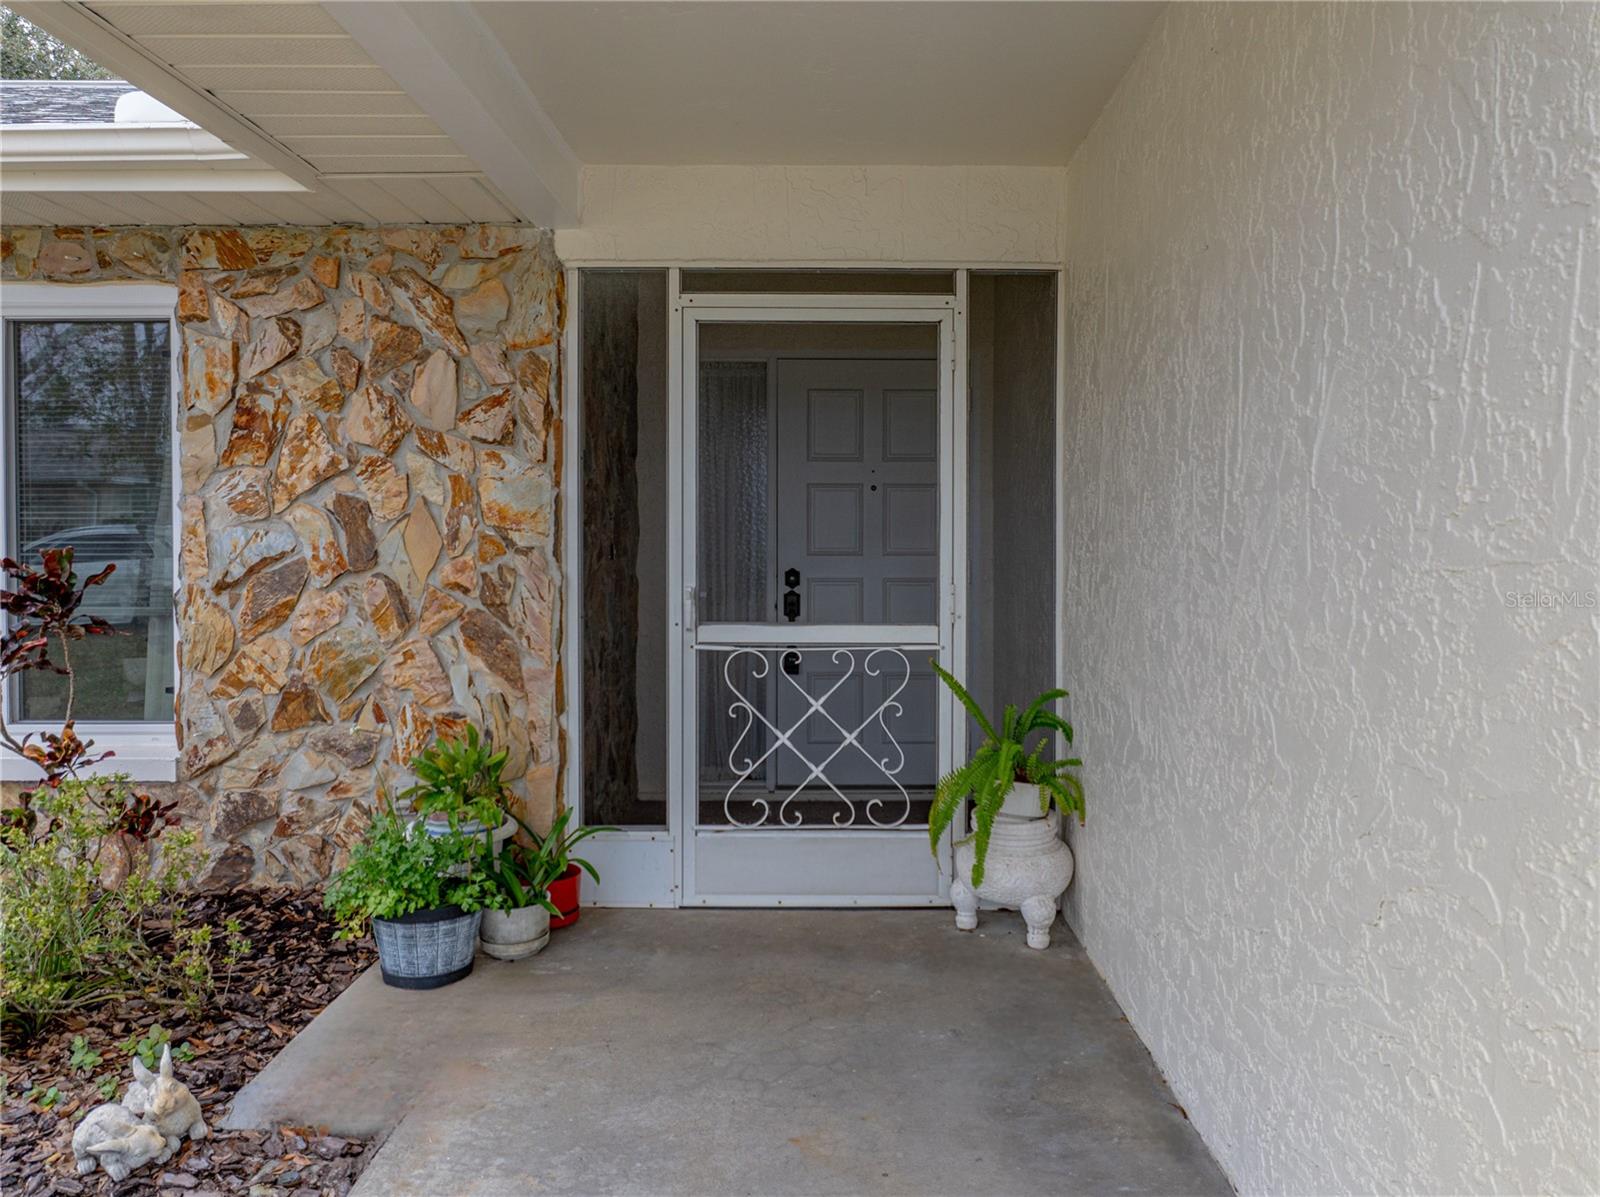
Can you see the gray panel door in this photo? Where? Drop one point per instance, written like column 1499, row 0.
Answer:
column 857, row 504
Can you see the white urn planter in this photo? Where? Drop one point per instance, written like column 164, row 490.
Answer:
column 439, row 825
column 1028, row 867
column 514, row 934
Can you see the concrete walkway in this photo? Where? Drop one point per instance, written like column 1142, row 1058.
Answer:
column 747, row 1052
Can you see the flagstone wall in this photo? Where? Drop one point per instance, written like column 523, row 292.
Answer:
column 369, row 451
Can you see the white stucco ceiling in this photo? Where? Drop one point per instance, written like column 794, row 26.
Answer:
column 733, row 82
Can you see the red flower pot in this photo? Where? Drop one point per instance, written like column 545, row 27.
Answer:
column 564, row 894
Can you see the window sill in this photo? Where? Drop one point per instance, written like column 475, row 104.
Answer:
column 143, row 755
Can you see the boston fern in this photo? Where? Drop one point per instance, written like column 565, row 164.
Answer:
column 396, row 870
column 1002, row 761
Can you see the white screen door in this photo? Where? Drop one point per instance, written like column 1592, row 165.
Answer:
column 818, row 517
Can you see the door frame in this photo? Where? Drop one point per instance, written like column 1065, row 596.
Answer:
column 641, row 866
column 947, row 635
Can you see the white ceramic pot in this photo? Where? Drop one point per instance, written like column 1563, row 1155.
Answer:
column 514, row 934
column 1022, row 802
column 1027, row 868
column 437, row 825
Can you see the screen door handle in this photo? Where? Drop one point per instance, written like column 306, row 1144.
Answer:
column 689, row 608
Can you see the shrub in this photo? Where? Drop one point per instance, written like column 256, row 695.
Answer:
column 72, row 934
column 66, row 941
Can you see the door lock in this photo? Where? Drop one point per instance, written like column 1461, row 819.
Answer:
column 791, row 597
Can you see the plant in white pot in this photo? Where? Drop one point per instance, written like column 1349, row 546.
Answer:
column 459, row 789
column 528, row 881
column 517, row 923
column 1015, row 856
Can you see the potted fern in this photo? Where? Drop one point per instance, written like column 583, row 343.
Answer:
column 423, row 895
column 1019, row 791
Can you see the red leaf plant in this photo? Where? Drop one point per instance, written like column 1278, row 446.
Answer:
column 42, row 610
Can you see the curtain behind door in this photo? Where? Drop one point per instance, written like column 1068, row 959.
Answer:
column 733, row 559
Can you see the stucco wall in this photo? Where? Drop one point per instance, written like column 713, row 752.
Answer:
column 368, row 446
column 1331, row 411
column 817, row 214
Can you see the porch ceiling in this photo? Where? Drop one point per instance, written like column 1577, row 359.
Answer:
column 822, row 83
column 427, row 112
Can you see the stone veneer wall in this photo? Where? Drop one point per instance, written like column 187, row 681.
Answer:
column 369, row 455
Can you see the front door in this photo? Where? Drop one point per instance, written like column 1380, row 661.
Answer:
column 857, row 498
column 818, row 559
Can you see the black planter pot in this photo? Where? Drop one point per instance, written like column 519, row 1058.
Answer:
column 427, row 949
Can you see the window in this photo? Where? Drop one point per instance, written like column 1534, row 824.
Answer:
column 87, row 463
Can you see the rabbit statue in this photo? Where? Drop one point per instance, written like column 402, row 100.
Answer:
column 116, row 1140
column 164, row 1102
column 137, row 1099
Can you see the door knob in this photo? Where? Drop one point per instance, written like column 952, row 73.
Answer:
column 791, row 662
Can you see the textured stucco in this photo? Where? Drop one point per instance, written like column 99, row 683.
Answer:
column 1331, row 367
column 823, row 214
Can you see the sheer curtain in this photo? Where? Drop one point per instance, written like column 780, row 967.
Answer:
column 732, row 554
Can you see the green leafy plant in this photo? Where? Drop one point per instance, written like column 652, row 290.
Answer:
column 72, row 931
column 45, row 1098
column 106, row 1086
column 521, row 875
column 393, row 872
column 183, row 1053
column 192, row 956
column 1001, row 761
column 459, row 780
column 148, row 1046
column 556, row 845
column 67, row 942
column 84, row 1059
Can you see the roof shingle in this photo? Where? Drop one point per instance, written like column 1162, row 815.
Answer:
column 60, row 101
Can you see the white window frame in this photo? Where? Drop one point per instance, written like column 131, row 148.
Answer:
column 146, row 751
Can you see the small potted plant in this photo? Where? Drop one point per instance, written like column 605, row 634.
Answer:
column 566, row 869
column 459, row 789
column 423, row 894
column 1019, row 791
column 516, row 923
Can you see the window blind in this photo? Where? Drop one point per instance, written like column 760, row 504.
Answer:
column 91, row 469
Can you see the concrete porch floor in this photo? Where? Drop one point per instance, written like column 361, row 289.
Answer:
column 747, row 1052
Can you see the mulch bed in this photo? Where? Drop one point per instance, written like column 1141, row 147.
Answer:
column 295, row 969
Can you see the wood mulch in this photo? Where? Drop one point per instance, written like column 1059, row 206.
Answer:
column 295, row 968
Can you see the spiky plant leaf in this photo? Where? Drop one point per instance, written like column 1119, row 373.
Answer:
column 966, row 700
